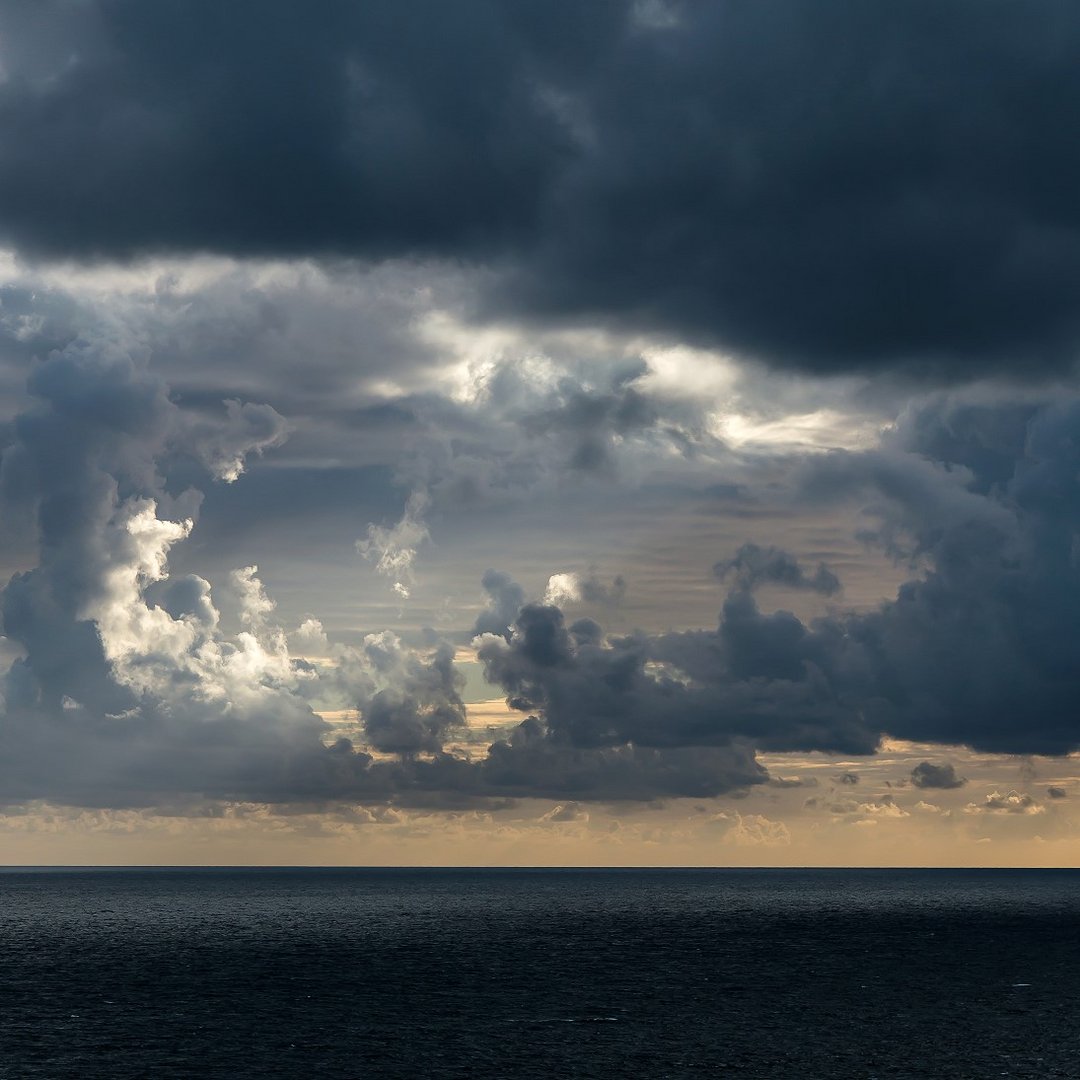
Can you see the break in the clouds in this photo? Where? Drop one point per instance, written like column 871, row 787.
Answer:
column 692, row 381
column 828, row 186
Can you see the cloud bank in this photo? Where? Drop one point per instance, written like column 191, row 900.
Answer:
column 829, row 188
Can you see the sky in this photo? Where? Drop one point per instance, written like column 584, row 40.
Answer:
column 513, row 433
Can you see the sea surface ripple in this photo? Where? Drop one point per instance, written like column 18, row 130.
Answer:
column 241, row 973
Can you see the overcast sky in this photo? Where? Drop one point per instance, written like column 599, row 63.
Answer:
column 515, row 432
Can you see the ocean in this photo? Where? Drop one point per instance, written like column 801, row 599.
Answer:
column 539, row 973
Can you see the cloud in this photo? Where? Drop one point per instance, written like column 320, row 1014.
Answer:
column 130, row 692
column 884, row 807
column 132, row 687
column 249, row 429
column 518, row 256
column 564, row 813
column 981, row 634
column 361, row 152
column 572, row 588
column 534, row 760
column 755, row 830
column 753, row 565
column 691, row 174
column 421, row 703
column 562, row 589
column 793, row 781
column 860, row 813
column 505, row 599
column 927, row 775
column 588, row 424
column 1057, row 793
column 673, row 690
column 1012, row 802
column 393, row 550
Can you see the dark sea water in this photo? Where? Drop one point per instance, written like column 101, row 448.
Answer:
column 521, row 973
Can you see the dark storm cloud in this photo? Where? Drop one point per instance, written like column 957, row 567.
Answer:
column 274, row 128
column 830, row 186
column 738, row 684
column 978, row 648
column 928, row 775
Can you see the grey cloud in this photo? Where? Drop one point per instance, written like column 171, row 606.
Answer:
column 505, row 599
column 1027, row 768
column 131, row 694
column 224, row 330
column 378, row 400
column 248, row 429
column 763, row 175
column 536, row 760
column 1057, row 793
column 130, row 690
column 589, row 421
column 753, row 565
column 721, row 687
column 81, row 721
column 1012, row 802
column 848, row 778
column 363, row 429
column 595, row 591
column 587, row 415
column 421, row 706
column 798, row 221
column 982, row 636
column 985, row 437
column 928, row 775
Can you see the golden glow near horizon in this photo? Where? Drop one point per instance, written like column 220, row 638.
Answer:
column 816, row 811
